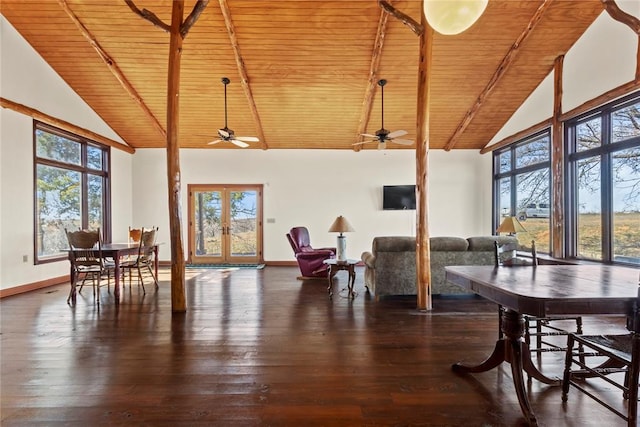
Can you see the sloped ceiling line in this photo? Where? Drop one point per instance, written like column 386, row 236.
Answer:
column 244, row 78
column 376, row 56
column 113, row 67
column 505, row 64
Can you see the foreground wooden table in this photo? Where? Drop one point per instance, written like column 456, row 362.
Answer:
column 542, row 291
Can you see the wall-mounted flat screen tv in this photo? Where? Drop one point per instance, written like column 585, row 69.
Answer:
column 398, row 197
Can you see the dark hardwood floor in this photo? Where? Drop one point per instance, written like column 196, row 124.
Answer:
column 260, row 348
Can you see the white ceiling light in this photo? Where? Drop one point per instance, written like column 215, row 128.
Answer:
column 450, row 17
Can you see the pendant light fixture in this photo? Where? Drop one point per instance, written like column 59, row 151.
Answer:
column 451, row 17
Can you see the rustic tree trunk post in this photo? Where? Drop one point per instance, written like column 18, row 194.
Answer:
column 423, row 251
column 557, row 164
column 178, row 297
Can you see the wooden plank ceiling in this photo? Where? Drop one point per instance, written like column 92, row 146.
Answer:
column 308, row 64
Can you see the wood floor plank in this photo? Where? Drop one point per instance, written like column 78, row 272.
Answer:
column 261, row 348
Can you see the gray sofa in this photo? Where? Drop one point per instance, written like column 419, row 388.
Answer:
column 390, row 267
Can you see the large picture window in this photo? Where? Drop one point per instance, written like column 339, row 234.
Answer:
column 521, row 177
column 71, row 189
column 603, row 183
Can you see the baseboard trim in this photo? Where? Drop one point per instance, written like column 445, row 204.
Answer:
column 33, row 286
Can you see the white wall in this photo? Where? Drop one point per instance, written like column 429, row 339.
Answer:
column 311, row 188
column 300, row 189
column 26, row 78
column 602, row 59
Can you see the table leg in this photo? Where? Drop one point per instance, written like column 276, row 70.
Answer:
column 352, row 280
column 116, row 273
column 332, row 272
column 156, row 261
column 72, row 291
column 514, row 350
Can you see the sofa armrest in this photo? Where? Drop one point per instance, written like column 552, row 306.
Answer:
column 369, row 259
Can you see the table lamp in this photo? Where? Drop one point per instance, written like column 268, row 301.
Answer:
column 341, row 225
column 511, row 225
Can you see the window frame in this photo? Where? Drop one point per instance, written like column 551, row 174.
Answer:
column 604, row 151
column 515, row 171
column 85, row 172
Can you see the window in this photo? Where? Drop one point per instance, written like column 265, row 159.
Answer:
column 71, row 189
column 603, row 183
column 521, row 180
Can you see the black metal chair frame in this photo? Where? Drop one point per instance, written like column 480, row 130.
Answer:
column 622, row 353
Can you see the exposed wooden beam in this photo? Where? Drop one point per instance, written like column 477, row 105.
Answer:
column 244, row 78
column 423, row 249
column 557, row 164
column 517, row 136
column 53, row 121
column 631, row 21
column 197, row 10
column 113, row 67
column 404, row 18
column 178, row 292
column 148, row 15
column 508, row 59
column 372, row 82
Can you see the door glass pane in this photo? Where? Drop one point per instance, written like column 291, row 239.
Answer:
column 533, row 208
column 243, row 222
column 589, row 238
column 58, row 206
column 208, row 223
column 626, row 205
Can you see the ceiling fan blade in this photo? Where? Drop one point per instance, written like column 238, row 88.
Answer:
column 223, row 133
column 247, row 138
column 368, row 135
column 397, row 133
column 214, row 142
column 239, row 143
column 402, row 141
column 361, row 143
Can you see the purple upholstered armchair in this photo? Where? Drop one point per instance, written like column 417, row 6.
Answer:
column 309, row 259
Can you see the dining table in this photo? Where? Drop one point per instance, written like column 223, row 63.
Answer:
column 116, row 251
column 544, row 290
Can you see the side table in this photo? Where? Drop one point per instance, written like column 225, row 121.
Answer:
column 335, row 266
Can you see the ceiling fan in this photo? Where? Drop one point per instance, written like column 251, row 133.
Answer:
column 383, row 135
column 227, row 134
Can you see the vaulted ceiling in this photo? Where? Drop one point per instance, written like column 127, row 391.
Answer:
column 311, row 67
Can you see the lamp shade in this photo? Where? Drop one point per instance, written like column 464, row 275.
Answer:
column 511, row 225
column 450, row 17
column 340, row 225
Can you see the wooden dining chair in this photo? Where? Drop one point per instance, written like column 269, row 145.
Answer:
column 539, row 328
column 86, row 260
column 621, row 353
column 144, row 261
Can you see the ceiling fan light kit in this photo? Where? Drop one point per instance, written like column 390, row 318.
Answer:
column 451, row 17
column 227, row 134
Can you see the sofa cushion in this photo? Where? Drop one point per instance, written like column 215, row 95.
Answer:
column 393, row 244
column 487, row 243
column 448, row 244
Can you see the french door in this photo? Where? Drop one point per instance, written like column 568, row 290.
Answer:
column 225, row 224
